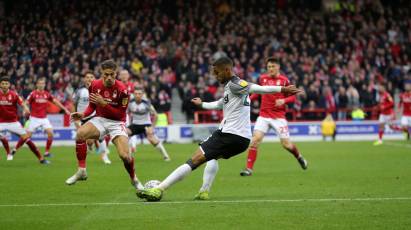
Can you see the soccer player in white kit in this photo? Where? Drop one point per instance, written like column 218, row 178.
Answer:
column 141, row 111
column 231, row 138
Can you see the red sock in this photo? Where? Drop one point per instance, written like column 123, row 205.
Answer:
column 5, row 144
column 48, row 144
column 34, row 149
column 295, row 152
column 20, row 143
column 129, row 166
column 380, row 134
column 81, row 153
column 252, row 157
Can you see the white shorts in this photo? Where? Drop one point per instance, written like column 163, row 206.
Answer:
column 106, row 126
column 13, row 127
column 386, row 118
column 36, row 123
column 406, row 121
column 280, row 126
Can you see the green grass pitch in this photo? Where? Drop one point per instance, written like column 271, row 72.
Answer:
column 349, row 185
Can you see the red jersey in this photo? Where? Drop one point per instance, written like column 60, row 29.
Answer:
column 405, row 102
column 117, row 97
column 386, row 104
column 130, row 86
column 38, row 101
column 268, row 108
column 8, row 106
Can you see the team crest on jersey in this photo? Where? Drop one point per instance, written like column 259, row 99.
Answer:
column 278, row 82
column 9, row 97
column 106, row 94
column 243, row 83
column 124, row 101
column 115, row 94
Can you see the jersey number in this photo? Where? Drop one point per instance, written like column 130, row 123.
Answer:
column 245, row 100
column 226, row 99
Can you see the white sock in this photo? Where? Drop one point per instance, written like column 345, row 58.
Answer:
column 210, row 171
column 177, row 175
column 139, row 185
column 162, row 150
column 103, row 147
column 133, row 141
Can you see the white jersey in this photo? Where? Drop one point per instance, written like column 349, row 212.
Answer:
column 236, row 108
column 81, row 98
column 140, row 112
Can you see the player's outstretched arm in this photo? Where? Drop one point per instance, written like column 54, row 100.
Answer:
column 287, row 90
column 208, row 105
column 58, row 103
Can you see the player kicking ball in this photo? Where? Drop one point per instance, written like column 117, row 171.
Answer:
column 272, row 115
column 230, row 139
column 9, row 100
column 141, row 111
column 109, row 98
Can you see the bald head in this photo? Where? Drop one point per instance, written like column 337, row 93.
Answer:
column 124, row 76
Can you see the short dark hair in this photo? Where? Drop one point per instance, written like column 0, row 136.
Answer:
column 138, row 88
column 223, row 61
column 88, row 72
column 109, row 64
column 272, row 60
column 5, row 79
column 41, row 79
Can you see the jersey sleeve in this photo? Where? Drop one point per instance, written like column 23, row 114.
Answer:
column 19, row 100
column 30, row 98
column 238, row 86
column 50, row 97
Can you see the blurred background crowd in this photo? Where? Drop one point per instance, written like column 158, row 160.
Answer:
column 337, row 51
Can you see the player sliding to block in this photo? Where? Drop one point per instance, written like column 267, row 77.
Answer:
column 272, row 115
column 109, row 98
column 231, row 138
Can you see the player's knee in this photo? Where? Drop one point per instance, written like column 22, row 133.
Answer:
column 287, row 144
column 125, row 158
column 255, row 143
column 81, row 135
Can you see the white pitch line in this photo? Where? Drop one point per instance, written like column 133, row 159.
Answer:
column 208, row 202
column 398, row 144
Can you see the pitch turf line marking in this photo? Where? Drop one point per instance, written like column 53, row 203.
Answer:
column 397, row 145
column 209, row 202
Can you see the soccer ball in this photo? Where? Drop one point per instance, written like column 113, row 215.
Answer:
column 152, row 184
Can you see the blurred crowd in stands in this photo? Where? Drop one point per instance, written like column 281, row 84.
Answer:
column 338, row 56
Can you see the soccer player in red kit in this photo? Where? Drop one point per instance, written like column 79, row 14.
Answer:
column 38, row 100
column 109, row 98
column 386, row 107
column 272, row 115
column 124, row 77
column 9, row 100
column 405, row 103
